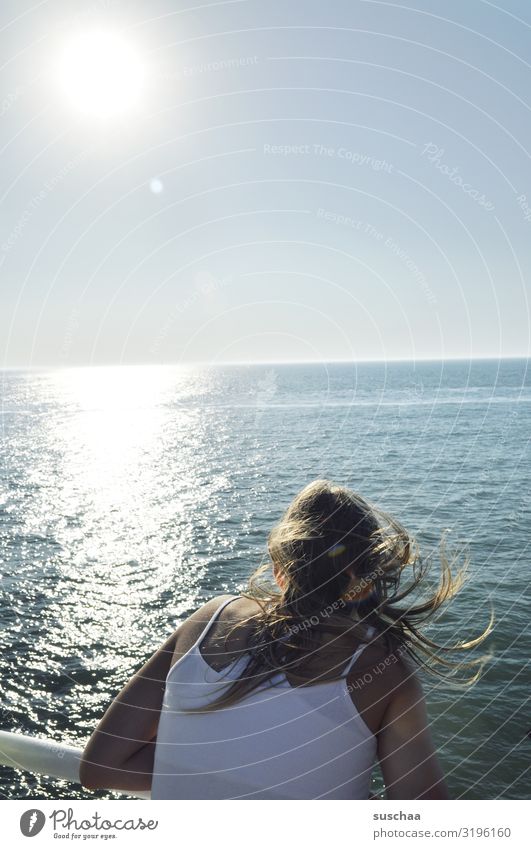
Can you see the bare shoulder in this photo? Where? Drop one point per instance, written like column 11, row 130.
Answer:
column 405, row 689
column 379, row 662
column 191, row 629
column 200, row 617
column 376, row 679
column 408, row 686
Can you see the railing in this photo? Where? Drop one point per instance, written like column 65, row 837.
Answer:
column 46, row 757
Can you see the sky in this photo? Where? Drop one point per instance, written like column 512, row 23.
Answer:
column 263, row 181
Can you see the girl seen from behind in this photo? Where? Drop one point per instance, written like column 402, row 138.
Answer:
column 296, row 687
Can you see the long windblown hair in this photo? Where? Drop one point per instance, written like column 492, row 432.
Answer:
column 339, row 564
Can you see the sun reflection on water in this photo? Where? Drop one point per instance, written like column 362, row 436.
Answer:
column 111, row 439
column 117, row 417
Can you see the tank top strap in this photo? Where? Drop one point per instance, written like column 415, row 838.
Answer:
column 370, row 631
column 212, row 619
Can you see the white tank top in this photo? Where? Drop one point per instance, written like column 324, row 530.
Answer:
column 278, row 742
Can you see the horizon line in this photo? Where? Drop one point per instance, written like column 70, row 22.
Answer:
column 204, row 363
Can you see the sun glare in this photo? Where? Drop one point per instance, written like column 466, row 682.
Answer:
column 100, row 74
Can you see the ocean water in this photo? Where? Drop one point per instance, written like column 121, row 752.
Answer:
column 130, row 495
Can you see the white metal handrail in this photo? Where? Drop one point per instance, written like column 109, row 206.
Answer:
column 46, row 757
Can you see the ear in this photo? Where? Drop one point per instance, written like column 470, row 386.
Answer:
column 358, row 589
column 279, row 578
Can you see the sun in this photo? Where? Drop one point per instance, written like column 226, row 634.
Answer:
column 101, row 74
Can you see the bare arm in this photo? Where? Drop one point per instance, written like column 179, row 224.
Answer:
column 121, row 750
column 406, row 752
